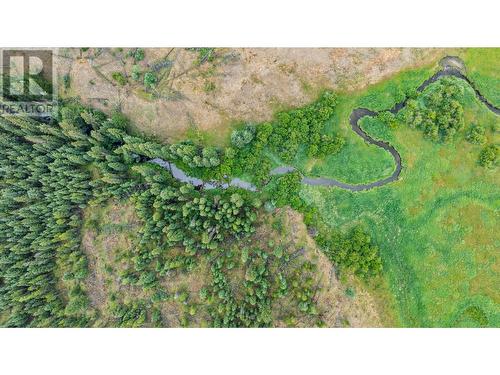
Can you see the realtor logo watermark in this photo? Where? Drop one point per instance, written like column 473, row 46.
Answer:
column 28, row 82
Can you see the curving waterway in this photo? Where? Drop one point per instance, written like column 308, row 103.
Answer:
column 450, row 67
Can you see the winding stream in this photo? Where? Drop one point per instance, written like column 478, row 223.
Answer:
column 451, row 66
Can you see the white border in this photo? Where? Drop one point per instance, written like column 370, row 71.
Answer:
column 249, row 351
column 256, row 23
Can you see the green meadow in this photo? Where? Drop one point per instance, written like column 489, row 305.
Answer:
column 483, row 68
column 437, row 226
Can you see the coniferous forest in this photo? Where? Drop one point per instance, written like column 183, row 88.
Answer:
column 52, row 170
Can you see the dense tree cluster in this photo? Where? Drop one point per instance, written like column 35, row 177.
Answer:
column 128, row 315
column 286, row 136
column 305, row 126
column 189, row 217
column 247, row 154
column 437, row 111
column 254, row 309
column 353, row 252
column 43, row 188
column 284, row 190
column 194, row 155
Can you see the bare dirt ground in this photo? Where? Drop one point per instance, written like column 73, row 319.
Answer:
column 246, row 84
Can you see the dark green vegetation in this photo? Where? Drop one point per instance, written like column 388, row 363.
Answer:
column 150, row 80
column 50, row 172
column 83, row 159
column 43, row 189
column 437, row 111
column 353, row 253
column 204, row 54
column 120, row 78
column 292, row 135
column 489, row 156
column 476, row 134
column 284, row 190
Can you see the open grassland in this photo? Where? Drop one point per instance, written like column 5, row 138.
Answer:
column 484, row 70
column 437, row 226
column 210, row 91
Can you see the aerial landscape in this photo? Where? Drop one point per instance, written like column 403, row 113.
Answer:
column 251, row 187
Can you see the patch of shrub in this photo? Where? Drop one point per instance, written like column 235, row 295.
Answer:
column 488, row 156
column 205, row 54
column 284, row 190
column 209, row 86
column 66, row 81
column 350, row 292
column 139, row 54
column 120, row 78
column 241, row 138
column 136, row 72
column 353, row 252
column 476, row 314
column 150, row 80
column 476, row 135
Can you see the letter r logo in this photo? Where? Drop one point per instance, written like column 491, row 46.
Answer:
column 22, row 71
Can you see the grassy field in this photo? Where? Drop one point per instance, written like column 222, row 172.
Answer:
column 436, row 226
column 483, row 68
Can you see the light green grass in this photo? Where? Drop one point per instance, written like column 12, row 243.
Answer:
column 483, row 67
column 437, row 227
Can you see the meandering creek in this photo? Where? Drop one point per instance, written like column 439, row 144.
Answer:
column 450, row 66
